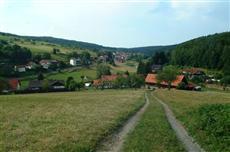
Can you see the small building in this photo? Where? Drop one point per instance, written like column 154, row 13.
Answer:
column 151, row 80
column 14, row 84
column 31, row 65
column 193, row 72
column 46, row 64
column 106, row 81
column 87, row 84
column 75, row 61
column 20, row 68
column 121, row 56
column 103, row 58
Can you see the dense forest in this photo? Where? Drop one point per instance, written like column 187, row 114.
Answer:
column 212, row 52
column 149, row 50
column 14, row 54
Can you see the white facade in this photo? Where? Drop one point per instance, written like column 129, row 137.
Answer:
column 20, row 68
column 73, row 62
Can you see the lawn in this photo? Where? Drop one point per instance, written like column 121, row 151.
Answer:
column 193, row 108
column 89, row 73
column 123, row 67
column 41, row 47
column 74, row 121
column 153, row 133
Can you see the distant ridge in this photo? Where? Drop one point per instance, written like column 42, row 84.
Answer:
column 148, row 50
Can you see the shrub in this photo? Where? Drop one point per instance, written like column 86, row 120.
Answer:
column 181, row 86
column 213, row 120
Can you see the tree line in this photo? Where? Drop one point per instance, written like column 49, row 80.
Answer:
column 14, row 54
column 212, row 52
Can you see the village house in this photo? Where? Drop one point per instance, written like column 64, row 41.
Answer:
column 106, row 81
column 103, row 58
column 31, row 65
column 193, row 72
column 75, row 61
column 121, row 57
column 151, row 81
column 14, row 84
column 20, row 68
column 53, row 85
column 46, row 64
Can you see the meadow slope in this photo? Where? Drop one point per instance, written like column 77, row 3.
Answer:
column 74, row 121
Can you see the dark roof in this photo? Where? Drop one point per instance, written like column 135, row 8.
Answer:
column 39, row 83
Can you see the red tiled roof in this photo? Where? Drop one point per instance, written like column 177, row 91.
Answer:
column 109, row 77
column 14, row 84
column 152, row 79
column 96, row 82
column 112, row 77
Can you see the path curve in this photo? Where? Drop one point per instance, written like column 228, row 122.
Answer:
column 188, row 142
column 115, row 142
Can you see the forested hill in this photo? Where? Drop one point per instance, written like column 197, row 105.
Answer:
column 150, row 50
column 60, row 41
column 211, row 51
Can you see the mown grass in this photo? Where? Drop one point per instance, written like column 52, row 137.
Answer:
column 188, row 105
column 90, row 73
column 123, row 67
column 41, row 47
column 153, row 133
column 63, row 121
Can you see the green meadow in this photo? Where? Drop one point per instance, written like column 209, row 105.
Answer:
column 75, row 121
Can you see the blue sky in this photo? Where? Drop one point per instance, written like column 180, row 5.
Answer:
column 119, row 23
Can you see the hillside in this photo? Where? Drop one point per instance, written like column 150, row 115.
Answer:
column 150, row 50
column 43, row 45
column 211, row 52
column 45, row 42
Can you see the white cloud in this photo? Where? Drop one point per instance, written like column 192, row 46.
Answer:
column 185, row 10
column 2, row 2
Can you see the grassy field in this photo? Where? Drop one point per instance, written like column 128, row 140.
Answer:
column 40, row 47
column 74, row 121
column 90, row 73
column 153, row 133
column 188, row 107
column 122, row 67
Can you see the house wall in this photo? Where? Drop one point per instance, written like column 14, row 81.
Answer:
column 21, row 70
column 72, row 62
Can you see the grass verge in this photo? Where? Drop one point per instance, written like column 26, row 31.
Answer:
column 195, row 109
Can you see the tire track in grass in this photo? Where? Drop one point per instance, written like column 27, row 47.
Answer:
column 115, row 142
column 188, row 142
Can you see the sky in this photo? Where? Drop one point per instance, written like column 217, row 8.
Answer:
column 116, row 23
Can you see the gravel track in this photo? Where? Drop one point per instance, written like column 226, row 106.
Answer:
column 115, row 142
column 188, row 142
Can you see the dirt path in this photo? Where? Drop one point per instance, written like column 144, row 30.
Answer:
column 188, row 142
column 114, row 142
